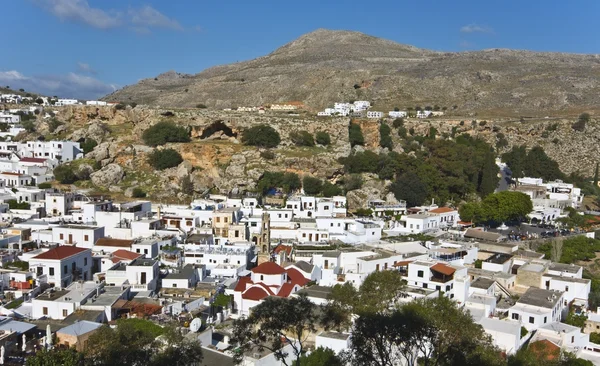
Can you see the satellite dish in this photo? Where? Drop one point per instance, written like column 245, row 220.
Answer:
column 195, row 325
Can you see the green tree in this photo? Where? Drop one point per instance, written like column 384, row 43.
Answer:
column 262, row 136
column 290, row 182
column 330, row 189
column 321, row 357
column 15, row 205
column 165, row 158
column 28, row 125
column 273, row 323
column 323, row 138
column 409, row 187
column 164, row 132
column 187, row 186
column 312, row 185
column 39, row 101
column 64, row 174
column 424, row 332
column 138, row 193
column 498, row 207
column 385, row 139
column 56, row 357
column 88, row 145
column 355, row 135
column 352, row 182
column 302, row 138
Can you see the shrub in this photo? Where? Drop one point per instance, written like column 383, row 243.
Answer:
column 398, row 122
column 120, row 106
column 584, row 118
column 138, row 193
column 262, row 136
column 363, row 212
column 545, row 134
column 462, row 123
column 133, row 104
column 45, row 185
column 53, row 124
column 267, row 155
column 290, row 182
column 302, row 138
column 483, row 123
column 352, row 182
column 88, row 145
column 168, row 114
column 64, row 174
column 312, row 185
column 385, row 140
column 163, row 159
column 164, row 132
column 28, row 125
column 330, row 190
column 15, row 205
column 355, row 135
column 201, row 106
column 323, row 138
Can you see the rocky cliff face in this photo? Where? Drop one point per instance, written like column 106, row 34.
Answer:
column 216, row 159
column 326, row 66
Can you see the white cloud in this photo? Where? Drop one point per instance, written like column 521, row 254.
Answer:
column 70, row 85
column 148, row 17
column 474, row 28
column 85, row 68
column 140, row 20
column 80, row 11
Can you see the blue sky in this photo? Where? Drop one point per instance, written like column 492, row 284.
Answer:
column 87, row 48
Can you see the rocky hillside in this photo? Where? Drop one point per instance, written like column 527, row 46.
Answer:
column 215, row 158
column 326, row 66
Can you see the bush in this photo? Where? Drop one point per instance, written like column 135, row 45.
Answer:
column 355, row 135
column 302, row 138
column 584, row 118
column 163, row 159
column 398, row 122
column 267, row 155
column 53, row 124
column 289, row 182
column 138, row 193
column 45, row 185
column 64, row 174
column 352, row 182
column 28, row 125
column 133, row 104
column 88, row 145
column 201, row 106
column 385, row 140
column 312, row 185
column 363, row 212
column 262, row 136
column 323, row 138
column 164, row 132
column 120, row 106
column 330, row 190
column 187, row 186
column 483, row 123
column 15, row 205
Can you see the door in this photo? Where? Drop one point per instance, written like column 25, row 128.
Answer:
column 143, row 279
column 70, row 239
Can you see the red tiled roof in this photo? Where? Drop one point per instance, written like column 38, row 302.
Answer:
column 286, row 289
column 33, row 160
column 257, row 293
column 269, row 268
column 286, row 248
column 242, row 284
column 442, row 210
column 402, row 263
column 11, row 173
column 109, row 242
column 465, row 223
column 124, row 254
column 60, row 252
column 443, row 269
column 295, row 277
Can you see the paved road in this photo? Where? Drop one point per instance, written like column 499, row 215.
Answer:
column 505, row 175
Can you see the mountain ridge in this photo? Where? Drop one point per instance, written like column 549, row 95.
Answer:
column 325, row 66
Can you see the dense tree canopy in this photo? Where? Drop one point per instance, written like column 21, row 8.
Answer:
column 302, row 138
column 163, row 132
column 288, row 182
column 165, row 158
column 498, row 207
column 355, row 135
column 312, row 185
column 323, row 138
column 385, row 137
column 261, row 135
column 533, row 163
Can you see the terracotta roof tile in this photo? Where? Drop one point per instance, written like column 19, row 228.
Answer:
column 60, row 252
column 124, row 254
column 443, row 269
column 257, row 292
column 32, row 160
column 442, row 210
column 296, row 277
column 242, row 284
column 286, row 290
column 269, row 268
column 109, row 242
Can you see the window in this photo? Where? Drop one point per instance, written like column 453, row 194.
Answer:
column 225, row 220
column 51, row 271
column 261, row 277
column 85, row 261
column 45, row 310
column 572, row 339
column 61, row 236
column 86, row 238
column 145, row 251
column 545, row 319
column 66, row 269
column 424, row 285
column 515, row 316
column 438, row 287
column 420, row 273
column 531, row 320
column 65, row 313
column 218, row 219
column 326, row 208
column 566, row 288
column 174, row 285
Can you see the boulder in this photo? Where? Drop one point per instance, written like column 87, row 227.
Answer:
column 84, row 171
column 110, row 175
column 183, row 169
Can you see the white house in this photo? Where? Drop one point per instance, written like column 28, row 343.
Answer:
column 397, row 114
column 336, row 341
column 538, row 307
column 82, row 236
column 142, row 274
column 374, row 114
column 59, row 304
column 63, row 265
column 505, row 333
column 186, row 277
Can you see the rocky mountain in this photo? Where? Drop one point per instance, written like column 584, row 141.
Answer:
column 325, row 66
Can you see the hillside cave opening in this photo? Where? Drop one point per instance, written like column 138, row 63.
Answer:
column 216, row 127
